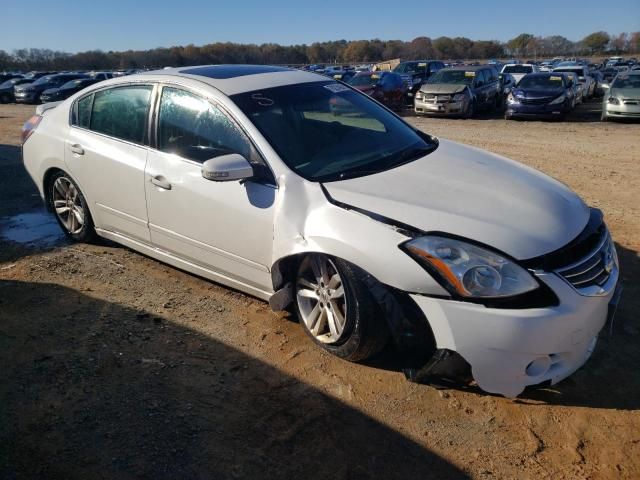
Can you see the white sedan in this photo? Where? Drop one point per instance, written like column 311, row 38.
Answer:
column 519, row 70
column 473, row 265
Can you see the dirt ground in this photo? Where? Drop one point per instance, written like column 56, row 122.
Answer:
column 113, row 365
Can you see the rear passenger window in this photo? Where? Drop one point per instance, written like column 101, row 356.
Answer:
column 121, row 112
column 84, row 111
column 193, row 128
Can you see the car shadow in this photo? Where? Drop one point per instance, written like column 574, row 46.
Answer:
column 90, row 389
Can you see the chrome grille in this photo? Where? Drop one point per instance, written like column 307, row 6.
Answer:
column 535, row 101
column 590, row 274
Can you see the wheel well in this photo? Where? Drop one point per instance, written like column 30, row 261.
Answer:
column 46, row 185
column 408, row 325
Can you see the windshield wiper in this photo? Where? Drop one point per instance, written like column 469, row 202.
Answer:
column 399, row 159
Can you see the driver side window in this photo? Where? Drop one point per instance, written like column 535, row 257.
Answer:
column 193, row 128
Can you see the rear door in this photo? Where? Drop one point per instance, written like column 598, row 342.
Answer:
column 106, row 154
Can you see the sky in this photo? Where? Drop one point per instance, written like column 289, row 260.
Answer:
column 74, row 26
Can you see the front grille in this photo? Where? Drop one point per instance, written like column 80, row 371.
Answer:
column 535, row 101
column 431, row 98
column 631, row 101
column 590, row 273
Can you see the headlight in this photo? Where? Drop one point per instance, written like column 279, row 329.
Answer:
column 613, row 101
column 459, row 97
column 468, row 270
column 512, row 99
column 419, row 95
column 558, row 100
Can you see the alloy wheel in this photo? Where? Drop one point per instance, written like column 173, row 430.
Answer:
column 68, row 205
column 321, row 298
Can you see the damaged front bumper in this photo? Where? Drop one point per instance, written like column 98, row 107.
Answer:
column 510, row 349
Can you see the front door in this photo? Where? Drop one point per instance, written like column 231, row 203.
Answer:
column 226, row 227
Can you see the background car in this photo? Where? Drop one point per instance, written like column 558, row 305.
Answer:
column 415, row 73
column 582, row 72
column 7, row 88
column 388, row 88
column 519, row 70
column 66, row 90
column 623, row 97
column 540, row 95
column 30, row 92
column 460, row 91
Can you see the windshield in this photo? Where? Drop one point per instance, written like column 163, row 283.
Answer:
column 9, row 83
column 453, row 76
column 74, row 83
column 325, row 131
column 534, row 82
column 518, row 69
column 43, row 80
column 632, row 81
column 410, row 67
column 364, row 80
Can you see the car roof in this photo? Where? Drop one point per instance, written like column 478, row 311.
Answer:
column 233, row 79
column 471, row 67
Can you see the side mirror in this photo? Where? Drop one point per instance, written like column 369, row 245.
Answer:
column 227, row 168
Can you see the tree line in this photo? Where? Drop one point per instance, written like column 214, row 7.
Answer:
column 341, row 51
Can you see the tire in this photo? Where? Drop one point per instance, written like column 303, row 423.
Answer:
column 362, row 332
column 4, row 98
column 471, row 108
column 70, row 208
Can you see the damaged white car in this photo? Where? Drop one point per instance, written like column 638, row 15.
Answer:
column 305, row 192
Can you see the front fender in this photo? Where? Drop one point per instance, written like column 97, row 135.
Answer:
column 305, row 221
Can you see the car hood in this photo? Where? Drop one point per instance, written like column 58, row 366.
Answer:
column 624, row 92
column 446, row 88
column 536, row 93
column 22, row 87
column 474, row 194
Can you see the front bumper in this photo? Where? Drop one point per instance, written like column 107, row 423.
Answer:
column 25, row 97
column 623, row 110
column 449, row 108
column 537, row 111
column 510, row 349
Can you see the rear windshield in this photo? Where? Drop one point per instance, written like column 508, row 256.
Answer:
column 328, row 131
column 518, row 69
column 577, row 71
column 411, row 67
column 453, row 76
column 541, row 82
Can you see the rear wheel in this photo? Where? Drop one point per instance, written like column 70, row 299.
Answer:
column 70, row 208
column 336, row 309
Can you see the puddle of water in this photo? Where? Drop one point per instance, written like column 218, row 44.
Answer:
column 38, row 229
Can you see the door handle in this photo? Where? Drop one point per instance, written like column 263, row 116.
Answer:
column 77, row 149
column 160, row 181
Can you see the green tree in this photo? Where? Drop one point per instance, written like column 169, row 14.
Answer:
column 596, row 42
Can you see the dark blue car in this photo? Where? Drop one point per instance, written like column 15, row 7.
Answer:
column 541, row 95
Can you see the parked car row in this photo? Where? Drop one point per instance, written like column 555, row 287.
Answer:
column 43, row 87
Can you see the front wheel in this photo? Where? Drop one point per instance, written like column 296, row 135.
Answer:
column 70, row 208
column 4, row 98
column 470, row 110
column 337, row 310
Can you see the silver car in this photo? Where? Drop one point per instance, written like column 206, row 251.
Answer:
column 623, row 97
